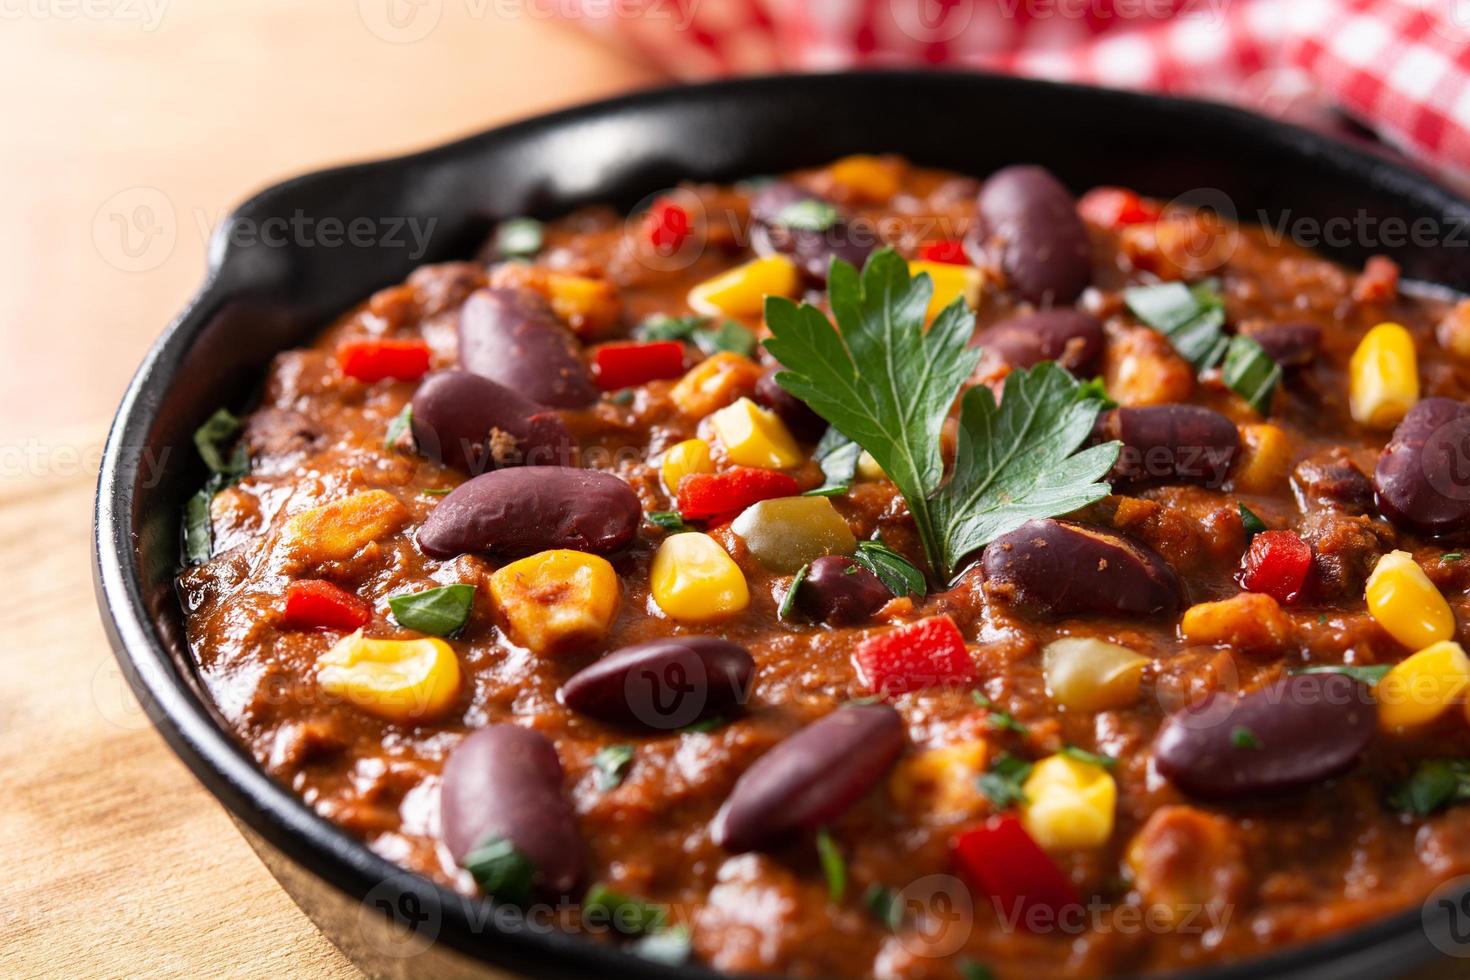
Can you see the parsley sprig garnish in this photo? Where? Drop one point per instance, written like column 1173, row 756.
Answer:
column 887, row 383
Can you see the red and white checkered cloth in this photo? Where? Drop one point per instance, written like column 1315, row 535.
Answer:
column 1401, row 67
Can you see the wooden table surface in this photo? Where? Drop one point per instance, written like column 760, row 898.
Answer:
column 131, row 127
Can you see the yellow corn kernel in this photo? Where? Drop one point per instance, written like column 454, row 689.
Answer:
column 1423, row 687
column 338, row 530
column 1265, row 458
column 1251, row 623
column 685, row 459
column 556, row 600
column 589, row 306
column 1406, row 604
column 1383, row 377
column 869, row 178
column 939, row 784
column 1069, row 803
column 868, row 468
column 693, row 580
column 950, row 280
column 1087, row 674
column 401, row 680
column 755, row 436
column 714, row 383
column 742, row 291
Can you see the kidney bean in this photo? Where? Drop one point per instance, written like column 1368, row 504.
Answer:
column 1294, row 732
column 457, row 415
column 521, row 511
column 511, row 336
column 811, row 778
column 1031, row 222
column 839, row 591
column 1060, row 568
column 1289, row 344
column 1423, row 474
column 505, row 781
column 662, row 685
column 797, row 414
column 1171, row 443
column 811, row 250
column 1071, row 338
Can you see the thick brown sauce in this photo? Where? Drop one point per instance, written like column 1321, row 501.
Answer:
column 1285, row 871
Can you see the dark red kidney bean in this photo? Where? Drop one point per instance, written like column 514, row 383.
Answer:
column 516, row 512
column 505, row 781
column 1171, row 443
column 811, row 778
column 797, row 414
column 457, row 415
column 1070, row 337
column 840, row 592
column 1030, row 222
column 811, row 250
column 1289, row 734
column 1422, row 478
column 664, row 684
column 1289, row 344
column 512, row 337
column 1060, row 568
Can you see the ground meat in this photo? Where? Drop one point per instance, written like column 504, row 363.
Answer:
column 1333, row 480
column 276, row 432
column 1344, row 551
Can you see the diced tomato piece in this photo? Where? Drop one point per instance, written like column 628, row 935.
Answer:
column 706, row 495
column 1114, row 207
column 624, row 365
column 375, row 358
column 666, row 226
column 1277, row 565
column 950, row 250
column 315, row 604
column 929, row 653
column 1022, row 879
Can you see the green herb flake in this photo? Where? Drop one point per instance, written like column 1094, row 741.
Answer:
column 885, row 905
column 1091, row 758
column 887, row 382
column 998, row 719
column 664, row 327
column 401, row 425
column 437, row 612
column 1243, row 738
column 501, row 870
column 705, row 726
column 827, row 491
column 670, row 947
column 625, row 914
column 1250, row 372
column 1192, row 317
column 894, row 570
column 809, row 214
column 623, row 396
column 1002, row 784
column 213, row 437
column 669, row 520
column 729, row 337
column 1435, row 783
column 1452, row 556
column 198, row 527
column 971, row 970
column 612, row 763
column 519, row 238
column 788, row 601
column 1369, row 674
column 837, row 455
column 1253, row 525
column 834, row 868
column 437, row 491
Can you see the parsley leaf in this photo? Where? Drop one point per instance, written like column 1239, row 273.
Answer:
column 895, row 571
column 1243, row 738
column 501, row 870
column 1091, row 758
column 998, row 718
column 401, row 425
column 833, row 867
column 1002, row 784
column 788, row 601
column 1369, row 674
column 1252, row 524
column 669, row 520
column 808, row 214
column 1250, row 372
column 1192, row 317
column 612, row 763
column 887, row 383
column 519, row 238
column 668, row 946
column 1433, row 784
column 837, row 455
column 211, row 438
column 438, row 612
column 885, row 905
column 626, row 914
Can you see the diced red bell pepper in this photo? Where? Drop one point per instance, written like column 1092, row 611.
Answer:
column 666, row 226
column 929, row 653
column 1021, row 878
column 1114, row 207
column 1277, row 564
column 626, row 364
column 375, row 358
column 315, row 604
column 706, row 495
column 950, row 250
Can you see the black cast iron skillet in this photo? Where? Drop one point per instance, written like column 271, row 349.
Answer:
column 259, row 299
